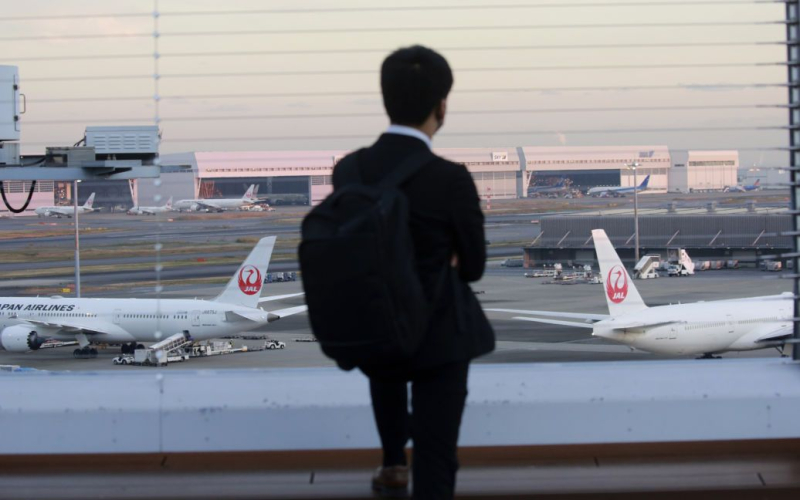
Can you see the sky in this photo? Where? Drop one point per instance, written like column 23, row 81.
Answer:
column 277, row 74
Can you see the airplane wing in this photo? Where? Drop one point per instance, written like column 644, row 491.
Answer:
column 76, row 327
column 580, row 320
column 639, row 324
column 279, row 297
column 553, row 314
column 289, row 311
column 259, row 314
column 549, row 321
column 207, row 204
column 776, row 335
column 255, row 315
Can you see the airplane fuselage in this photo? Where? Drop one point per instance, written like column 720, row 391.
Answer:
column 718, row 326
column 59, row 211
column 614, row 190
column 148, row 210
column 212, row 204
column 128, row 320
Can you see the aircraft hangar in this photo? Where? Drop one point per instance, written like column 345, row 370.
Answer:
column 500, row 172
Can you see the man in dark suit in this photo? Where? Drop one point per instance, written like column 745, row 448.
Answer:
column 447, row 230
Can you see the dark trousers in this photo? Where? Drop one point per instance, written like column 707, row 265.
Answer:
column 438, row 396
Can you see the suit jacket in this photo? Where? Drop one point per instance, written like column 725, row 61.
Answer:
column 446, row 220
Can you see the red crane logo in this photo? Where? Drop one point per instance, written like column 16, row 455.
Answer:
column 250, row 280
column 617, row 284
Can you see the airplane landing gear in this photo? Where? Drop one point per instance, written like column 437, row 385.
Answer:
column 130, row 348
column 780, row 349
column 85, row 353
column 709, row 355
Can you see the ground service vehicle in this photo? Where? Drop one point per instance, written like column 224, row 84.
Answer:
column 274, row 344
column 677, row 271
column 649, row 275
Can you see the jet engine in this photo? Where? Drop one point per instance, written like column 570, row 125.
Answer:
column 20, row 338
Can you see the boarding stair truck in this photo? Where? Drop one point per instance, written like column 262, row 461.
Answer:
column 685, row 262
column 679, row 263
column 161, row 353
column 647, row 267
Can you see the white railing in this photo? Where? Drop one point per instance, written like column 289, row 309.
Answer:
column 307, row 409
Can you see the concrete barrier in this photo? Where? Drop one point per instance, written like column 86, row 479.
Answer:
column 162, row 411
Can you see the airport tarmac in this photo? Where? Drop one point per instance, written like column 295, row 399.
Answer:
column 518, row 341
column 507, row 231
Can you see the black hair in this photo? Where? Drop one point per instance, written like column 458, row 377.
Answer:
column 414, row 80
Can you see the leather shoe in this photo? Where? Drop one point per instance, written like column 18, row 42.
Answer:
column 391, row 482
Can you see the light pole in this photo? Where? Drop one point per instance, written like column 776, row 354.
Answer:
column 77, row 240
column 635, row 212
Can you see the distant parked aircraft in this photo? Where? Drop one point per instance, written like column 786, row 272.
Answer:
column 739, row 188
column 618, row 190
column 562, row 186
column 218, row 204
column 66, row 211
column 136, row 210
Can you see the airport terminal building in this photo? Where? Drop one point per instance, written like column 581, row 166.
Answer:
column 303, row 177
column 499, row 173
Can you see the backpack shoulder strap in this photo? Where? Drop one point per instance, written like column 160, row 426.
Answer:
column 407, row 168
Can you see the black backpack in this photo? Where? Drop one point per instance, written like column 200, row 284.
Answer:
column 365, row 300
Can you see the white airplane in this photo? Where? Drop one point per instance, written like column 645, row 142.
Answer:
column 25, row 323
column 618, row 190
column 137, row 210
column 705, row 328
column 66, row 211
column 218, row 204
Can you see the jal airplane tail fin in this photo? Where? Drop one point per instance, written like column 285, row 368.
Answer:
column 249, row 195
column 89, row 202
column 621, row 294
column 168, row 205
column 244, row 288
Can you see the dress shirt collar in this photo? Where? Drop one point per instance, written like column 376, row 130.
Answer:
column 410, row 132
